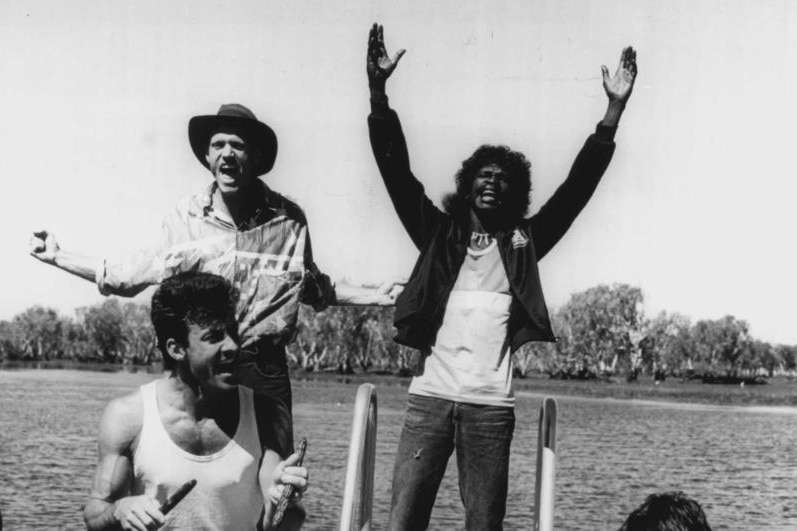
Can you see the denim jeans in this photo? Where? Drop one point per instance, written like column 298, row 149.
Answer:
column 433, row 429
column 269, row 376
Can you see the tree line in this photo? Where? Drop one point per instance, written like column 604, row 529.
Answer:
column 601, row 332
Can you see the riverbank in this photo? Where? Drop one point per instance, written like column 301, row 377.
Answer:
column 780, row 391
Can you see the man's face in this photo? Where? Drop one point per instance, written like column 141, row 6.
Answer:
column 231, row 161
column 490, row 188
column 211, row 354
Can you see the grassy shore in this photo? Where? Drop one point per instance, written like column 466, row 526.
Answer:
column 780, row 391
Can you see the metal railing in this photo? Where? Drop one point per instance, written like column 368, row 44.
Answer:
column 546, row 467
column 358, row 492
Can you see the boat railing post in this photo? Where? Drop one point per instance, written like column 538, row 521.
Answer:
column 546, row 467
column 358, row 491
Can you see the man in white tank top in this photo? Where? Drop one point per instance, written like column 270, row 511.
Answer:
column 198, row 424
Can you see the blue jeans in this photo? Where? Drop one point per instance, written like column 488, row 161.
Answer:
column 433, row 428
column 268, row 375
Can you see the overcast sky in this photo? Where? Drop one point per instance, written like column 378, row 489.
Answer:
column 697, row 207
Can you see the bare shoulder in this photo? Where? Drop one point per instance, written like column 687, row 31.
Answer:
column 121, row 422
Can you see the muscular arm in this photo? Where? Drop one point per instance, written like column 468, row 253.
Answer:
column 110, row 506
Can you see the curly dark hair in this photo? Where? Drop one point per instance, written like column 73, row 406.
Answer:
column 202, row 299
column 513, row 163
column 667, row 511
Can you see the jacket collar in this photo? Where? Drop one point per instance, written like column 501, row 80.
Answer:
column 205, row 202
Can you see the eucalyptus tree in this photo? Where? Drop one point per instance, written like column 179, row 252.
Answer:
column 719, row 345
column 603, row 328
column 666, row 349
column 39, row 333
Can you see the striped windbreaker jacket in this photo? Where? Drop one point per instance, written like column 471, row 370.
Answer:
column 270, row 263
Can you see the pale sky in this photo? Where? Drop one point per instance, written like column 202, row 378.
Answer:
column 696, row 207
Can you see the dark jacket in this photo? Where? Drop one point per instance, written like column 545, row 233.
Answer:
column 443, row 240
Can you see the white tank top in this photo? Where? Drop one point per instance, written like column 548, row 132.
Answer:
column 227, row 494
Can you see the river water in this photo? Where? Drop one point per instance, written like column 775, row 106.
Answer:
column 739, row 463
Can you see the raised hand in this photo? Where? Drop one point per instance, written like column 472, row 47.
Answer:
column 619, row 86
column 379, row 65
column 44, row 246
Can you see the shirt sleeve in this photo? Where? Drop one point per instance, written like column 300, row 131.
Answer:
column 129, row 274
column 317, row 288
column 556, row 216
column 415, row 210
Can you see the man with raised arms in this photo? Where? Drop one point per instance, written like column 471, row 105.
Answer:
column 474, row 297
column 196, row 423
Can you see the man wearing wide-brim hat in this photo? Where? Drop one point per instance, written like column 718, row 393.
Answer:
column 234, row 118
column 237, row 228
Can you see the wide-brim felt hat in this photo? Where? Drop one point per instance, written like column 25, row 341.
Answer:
column 234, row 115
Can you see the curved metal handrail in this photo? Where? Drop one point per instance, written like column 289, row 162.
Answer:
column 358, row 492
column 546, row 467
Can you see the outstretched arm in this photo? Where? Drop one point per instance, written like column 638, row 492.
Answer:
column 134, row 273
column 415, row 210
column 383, row 295
column 44, row 247
column 619, row 86
column 319, row 291
column 558, row 213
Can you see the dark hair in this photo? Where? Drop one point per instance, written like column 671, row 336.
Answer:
column 197, row 298
column 516, row 166
column 667, row 511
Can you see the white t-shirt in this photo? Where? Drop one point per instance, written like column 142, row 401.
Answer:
column 470, row 360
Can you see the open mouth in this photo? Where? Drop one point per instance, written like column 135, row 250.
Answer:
column 489, row 196
column 229, row 171
column 228, row 368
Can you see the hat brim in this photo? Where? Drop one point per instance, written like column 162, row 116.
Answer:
column 261, row 136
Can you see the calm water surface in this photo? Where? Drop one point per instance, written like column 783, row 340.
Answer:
column 740, row 463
